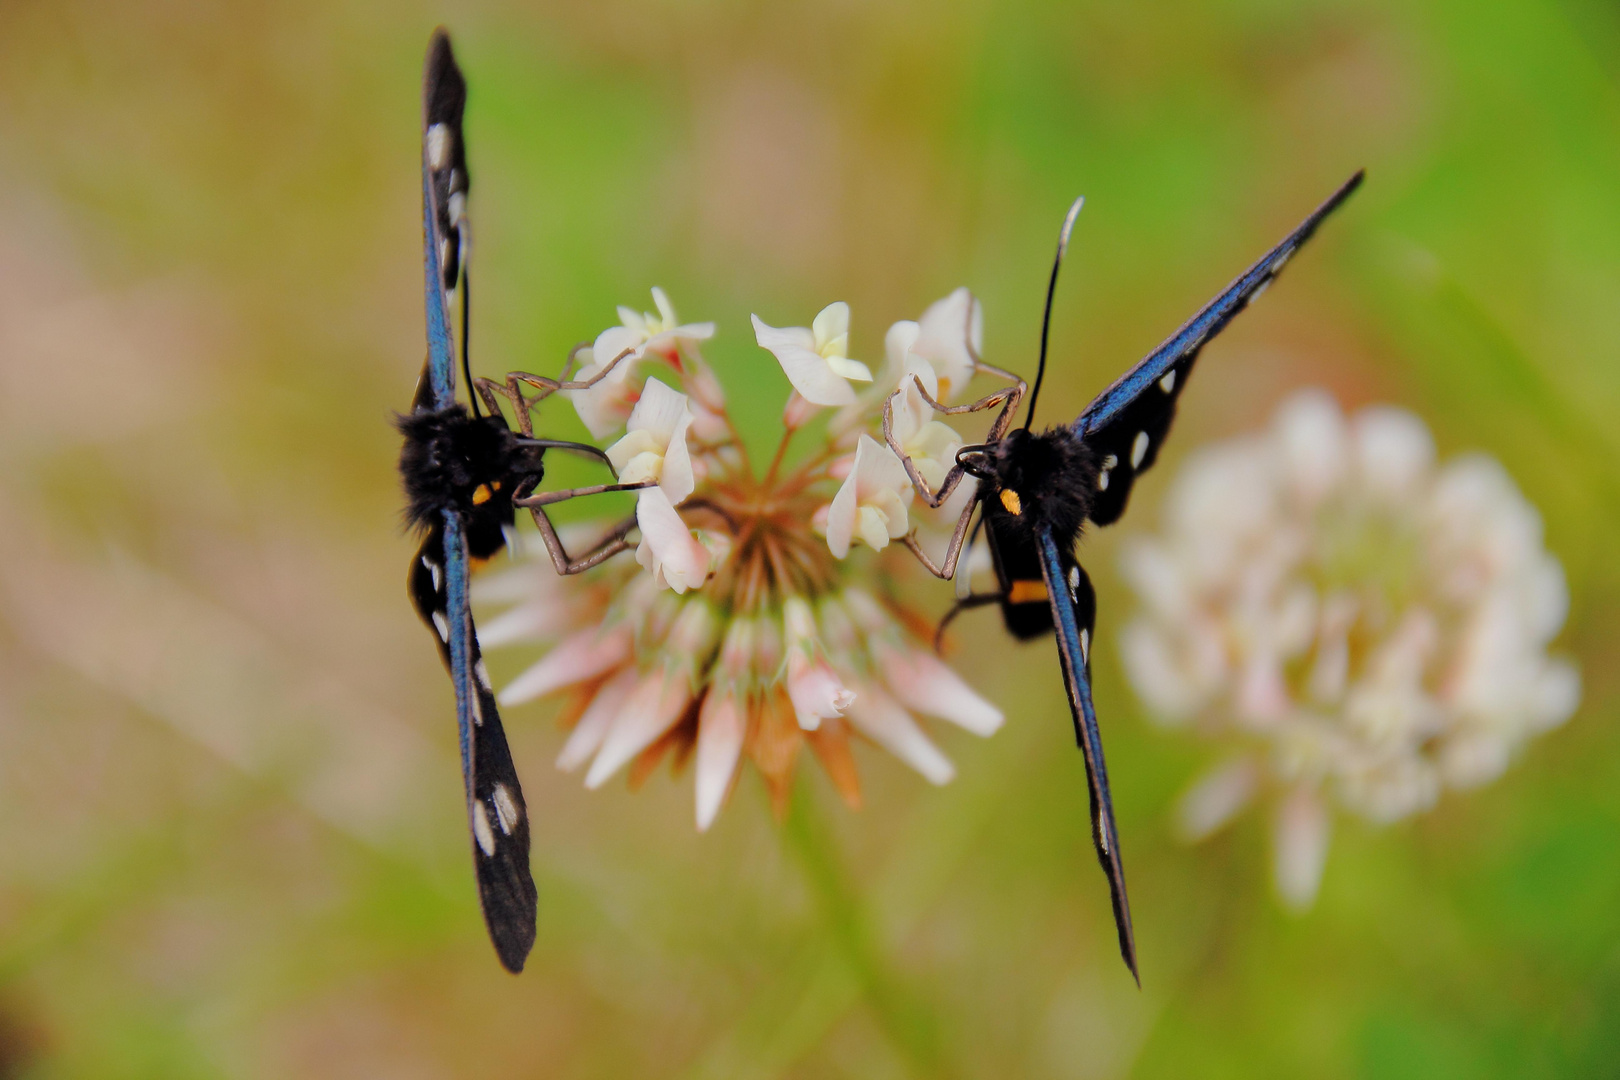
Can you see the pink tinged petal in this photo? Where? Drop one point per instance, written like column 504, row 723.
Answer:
column 808, row 371
column 586, row 655
column 719, row 747
column 881, row 719
column 1303, row 830
column 816, row 692
column 668, row 549
column 587, row 736
column 1215, row 799
column 923, row 683
column 650, row 710
column 523, row 623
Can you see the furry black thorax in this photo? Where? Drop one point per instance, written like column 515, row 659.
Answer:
column 1053, row 473
column 472, row 466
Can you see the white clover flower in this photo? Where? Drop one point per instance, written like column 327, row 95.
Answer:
column 1365, row 628
column 871, row 504
column 745, row 639
column 816, row 360
column 605, row 407
column 654, row 448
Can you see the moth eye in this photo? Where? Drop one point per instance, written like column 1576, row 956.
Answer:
column 1010, row 500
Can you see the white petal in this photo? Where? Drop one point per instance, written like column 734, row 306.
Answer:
column 604, row 407
column 668, row 548
column 882, row 720
column 1314, row 444
column 583, row 656
column 593, row 725
column 831, row 324
column 806, row 369
column 659, row 412
column 1394, row 452
column 650, row 710
column 719, row 747
column 1301, row 844
column 1216, row 798
column 947, row 327
column 678, row 479
column 841, row 518
column 897, row 345
column 923, row 683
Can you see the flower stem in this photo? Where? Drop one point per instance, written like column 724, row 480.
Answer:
column 904, row 1017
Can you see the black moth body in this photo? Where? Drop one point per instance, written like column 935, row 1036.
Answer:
column 1038, row 490
column 471, row 466
column 1050, row 480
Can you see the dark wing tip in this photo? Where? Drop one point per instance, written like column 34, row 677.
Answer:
column 444, row 91
column 513, row 942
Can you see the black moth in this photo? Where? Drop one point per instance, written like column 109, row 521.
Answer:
column 466, row 473
column 1037, row 491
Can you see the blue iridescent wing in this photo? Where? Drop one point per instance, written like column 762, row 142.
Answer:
column 1128, row 421
column 1074, row 608
column 444, row 197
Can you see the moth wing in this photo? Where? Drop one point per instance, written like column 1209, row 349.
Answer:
column 496, row 812
column 444, row 194
column 1128, row 421
column 1074, row 609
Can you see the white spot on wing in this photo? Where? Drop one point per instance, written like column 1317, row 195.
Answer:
column 442, row 625
column 1102, row 838
column 506, row 810
column 483, row 675
column 1074, row 578
column 481, row 830
column 1102, row 480
column 438, row 146
column 1139, row 449
column 1109, row 462
column 433, row 568
column 475, row 701
column 1260, row 290
column 458, row 208
column 1085, row 645
column 1168, row 383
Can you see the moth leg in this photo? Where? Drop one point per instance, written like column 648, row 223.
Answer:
column 609, row 546
column 966, row 603
column 953, row 551
column 1008, row 398
column 544, row 387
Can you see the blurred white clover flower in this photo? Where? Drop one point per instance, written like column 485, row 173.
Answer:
column 1359, row 626
column 749, row 636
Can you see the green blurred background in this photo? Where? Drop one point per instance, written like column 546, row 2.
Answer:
column 231, row 833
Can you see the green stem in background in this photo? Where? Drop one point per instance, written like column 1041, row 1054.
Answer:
column 905, row 1018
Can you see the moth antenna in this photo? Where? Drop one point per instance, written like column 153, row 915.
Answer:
column 1051, row 290
column 466, row 316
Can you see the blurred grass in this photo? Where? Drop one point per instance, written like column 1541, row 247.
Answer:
column 229, row 837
